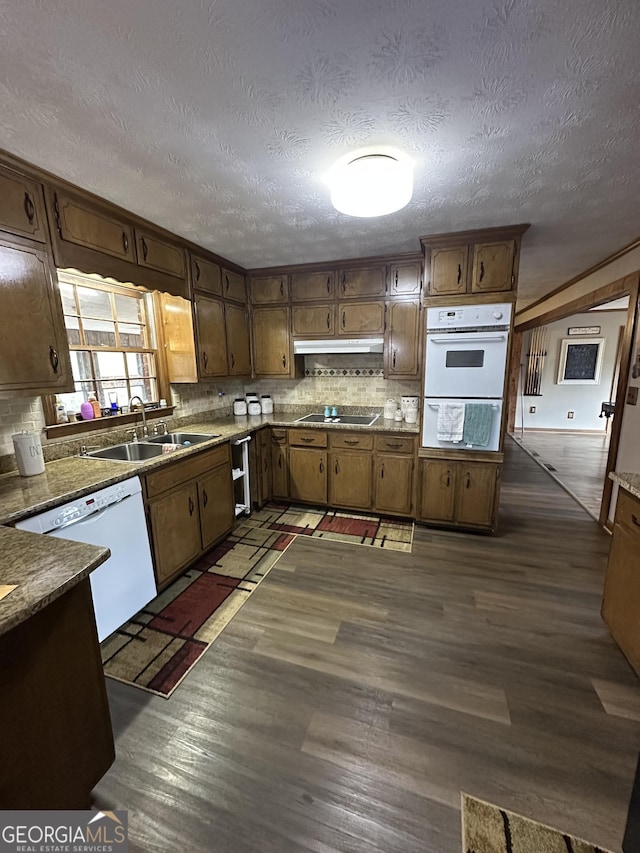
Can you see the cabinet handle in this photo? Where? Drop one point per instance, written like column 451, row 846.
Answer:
column 321, row 467
column 336, row 468
column 54, row 359
column 125, row 242
column 634, row 518
column 352, row 441
column 284, row 361
column 393, row 445
column 468, row 484
column 191, row 506
column 281, row 288
column 307, row 438
column 226, row 278
column 344, row 319
column 205, row 359
column 459, row 273
column 197, row 268
column 328, row 284
column 481, row 270
column 233, row 361
column 29, row 209
column 279, row 461
column 344, row 283
column 382, row 471
column 145, row 250
column 328, row 319
column 393, row 362
column 205, row 497
column 395, row 285
column 448, row 479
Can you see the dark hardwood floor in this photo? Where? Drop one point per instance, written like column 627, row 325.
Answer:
column 358, row 692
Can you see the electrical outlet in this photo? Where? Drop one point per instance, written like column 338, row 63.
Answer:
column 570, row 415
column 532, row 410
column 632, row 395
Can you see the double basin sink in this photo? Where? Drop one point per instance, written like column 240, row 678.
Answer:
column 148, row 448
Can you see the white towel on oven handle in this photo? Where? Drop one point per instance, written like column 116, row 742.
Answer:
column 450, row 422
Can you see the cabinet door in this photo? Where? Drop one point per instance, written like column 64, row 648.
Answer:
column 308, row 475
column 402, row 353
column 264, row 466
column 437, row 490
column 476, row 493
column 175, row 531
column 238, row 350
column 80, row 223
column 361, row 318
column 269, row 289
column 313, row 320
column 212, row 346
column 312, row 286
column 493, row 266
column 34, row 354
column 279, row 471
column 206, row 276
column 621, row 601
column 449, row 270
column 216, row 504
column 360, row 283
column 158, row 254
column 271, row 342
column 179, row 339
column 393, row 484
column 405, row 279
column 21, row 206
column 350, row 479
column 234, row 287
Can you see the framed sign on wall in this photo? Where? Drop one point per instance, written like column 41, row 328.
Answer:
column 580, row 361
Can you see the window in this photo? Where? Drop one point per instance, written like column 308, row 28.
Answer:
column 111, row 341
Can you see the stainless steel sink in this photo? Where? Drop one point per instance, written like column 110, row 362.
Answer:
column 349, row 420
column 132, row 452
column 182, row 438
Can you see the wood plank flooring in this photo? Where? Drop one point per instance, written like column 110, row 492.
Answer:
column 359, row 691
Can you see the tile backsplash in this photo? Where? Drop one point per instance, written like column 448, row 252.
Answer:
column 17, row 414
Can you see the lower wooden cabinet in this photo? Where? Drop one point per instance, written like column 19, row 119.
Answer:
column 393, row 490
column 459, row 493
column 262, row 485
column 279, row 464
column 308, row 475
column 351, row 478
column 190, row 507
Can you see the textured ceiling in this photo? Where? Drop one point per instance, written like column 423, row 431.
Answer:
column 218, row 119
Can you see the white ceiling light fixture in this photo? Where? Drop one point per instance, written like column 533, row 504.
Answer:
column 371, row 183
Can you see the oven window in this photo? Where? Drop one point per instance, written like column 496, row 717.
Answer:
column 465, row 358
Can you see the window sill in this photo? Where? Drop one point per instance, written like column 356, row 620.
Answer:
column 109, row 422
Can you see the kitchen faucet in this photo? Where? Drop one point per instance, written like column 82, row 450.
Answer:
column 145, row 430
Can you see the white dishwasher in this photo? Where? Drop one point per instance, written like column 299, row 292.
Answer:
column 114, row 518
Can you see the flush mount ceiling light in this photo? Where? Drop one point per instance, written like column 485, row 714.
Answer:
column 371, row 183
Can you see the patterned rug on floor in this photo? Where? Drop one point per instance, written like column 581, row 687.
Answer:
column 161, row 643
column 490, row 829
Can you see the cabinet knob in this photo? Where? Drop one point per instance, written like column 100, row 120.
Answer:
column 145, row 249
column 125, row 242
column 54, row 358
column 205, row 497
column 29, row 209
column 205, row 359
column 191, row 505
column 481, row 270
column 459, row 273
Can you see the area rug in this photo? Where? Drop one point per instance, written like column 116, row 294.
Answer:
column 156, row 649
column 489, row 829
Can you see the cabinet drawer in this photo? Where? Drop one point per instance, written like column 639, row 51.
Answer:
column 351, row 440
column 628, row 512
column 393, row 444
column 187, row 469
column 308, row 437
column 278, row 436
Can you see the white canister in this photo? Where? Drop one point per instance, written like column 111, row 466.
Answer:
column 255, row 408
column 398, row 416
column 411, row 416
column 28, row 449
column 390, row 409
column 407, row 403
column 267, row 404
column 240, row 406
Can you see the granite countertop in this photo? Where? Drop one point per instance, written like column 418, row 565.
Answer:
column 72, row 477
column 42, row 568
column 630, row 482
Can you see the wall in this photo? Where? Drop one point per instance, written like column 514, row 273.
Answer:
column 628, row 460
column 583, row 400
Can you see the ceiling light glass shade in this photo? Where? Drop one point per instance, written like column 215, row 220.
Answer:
column 371, row 185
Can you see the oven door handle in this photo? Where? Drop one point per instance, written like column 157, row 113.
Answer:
column 466, row 339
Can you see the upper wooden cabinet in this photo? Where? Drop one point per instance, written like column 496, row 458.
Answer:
column 402, row 351
column 272, row 350
column 361, row 318
column 211, row 336
column 176, row 318
column 22, row 206
column 312, row 286
column 158, row 254
column 82, row 223
column 34, row 353
column 206, row 275
column 234, row 286
column 238, row 348
column 449, row 270
column 493, row 266
column 405, row 279
column 313, row 321
column 361, row 283
column 267, row 290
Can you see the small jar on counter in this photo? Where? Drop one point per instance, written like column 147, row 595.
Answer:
column 267, row 404
column 255, row 408
column 240, row 406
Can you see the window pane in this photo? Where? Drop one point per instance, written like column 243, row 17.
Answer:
column 129, row 309
column 109, row 365
column 131, row 336
column 72, row 401
column 113, row 391
column 95, row 303
column 73, row 330
column 98, row 333
column 140, row 364
column 80, row 365
column 145, row 388
column 68, row 300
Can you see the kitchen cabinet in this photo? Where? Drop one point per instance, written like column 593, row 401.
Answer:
column 34, row 353
column 308, row 475
column 279, row 464
column 351, row 470
column 263, row 466
column 361, row 318
column 179, row 349
column 234, row 286
column 206, row 276
column 159, row 254
column 313, row 321
column 238, row 347
column 266, row 290
column 405, row 279
column 621, row 598
column 272, row 349
column 85, row 224
column 402, row 350
column 492, row 269
column 211, row 336
column 393, row 475
column 312, row 286
column 190, row 507
column 449, row 271
column 459, row 493
column 22, row 206
column 361, row 283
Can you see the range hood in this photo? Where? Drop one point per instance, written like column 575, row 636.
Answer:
column 337, row 345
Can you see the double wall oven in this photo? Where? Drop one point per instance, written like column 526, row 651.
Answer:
column 465, row 366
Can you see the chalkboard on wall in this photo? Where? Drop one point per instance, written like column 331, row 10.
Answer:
column 580, row 361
